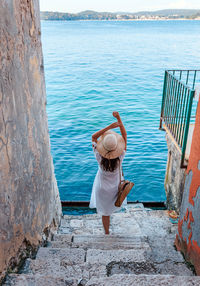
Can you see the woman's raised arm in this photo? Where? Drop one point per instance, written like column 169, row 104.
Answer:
column 121, row 126
column 97, row 134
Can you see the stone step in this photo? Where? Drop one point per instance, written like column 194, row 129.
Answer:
column 98, row 238
column 63, row 237
column 100, row 242
column 122, row 280
column 108, row 239
column 106, row 256
column 145, row 280
column 69, row 261
column 62, row 268
column 120, row 223
column 39, row 280
column 105, row 263
column 147, row 267
column 72, row 255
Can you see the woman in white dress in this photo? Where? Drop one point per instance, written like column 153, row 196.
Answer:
column 109, row 151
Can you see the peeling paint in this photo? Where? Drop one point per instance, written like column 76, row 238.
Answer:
column 199, row 165
column 188, row 237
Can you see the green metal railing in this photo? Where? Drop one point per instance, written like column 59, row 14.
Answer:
column 177, row 101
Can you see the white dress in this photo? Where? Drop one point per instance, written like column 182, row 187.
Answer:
column 105, row 187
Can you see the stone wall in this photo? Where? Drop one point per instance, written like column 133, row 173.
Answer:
column 188, row 237
column 29, row 198
column 174, row 177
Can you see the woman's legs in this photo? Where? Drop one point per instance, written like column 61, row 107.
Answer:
column 106, row 223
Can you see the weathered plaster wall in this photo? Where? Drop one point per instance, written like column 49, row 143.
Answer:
column 188, row 237
column 174, row 177
column 29, row 198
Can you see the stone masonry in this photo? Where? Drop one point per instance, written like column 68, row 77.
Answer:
column 139, row 251
column 29, row 199
column 174, row 177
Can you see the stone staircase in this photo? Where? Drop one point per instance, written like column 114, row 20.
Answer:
column 139, row 251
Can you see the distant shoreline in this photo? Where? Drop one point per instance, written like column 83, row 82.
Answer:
column 120, row 20
column 88, row 15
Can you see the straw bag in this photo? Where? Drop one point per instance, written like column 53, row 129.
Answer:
column 124, row 189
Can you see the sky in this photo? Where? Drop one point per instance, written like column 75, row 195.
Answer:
column 74, row 6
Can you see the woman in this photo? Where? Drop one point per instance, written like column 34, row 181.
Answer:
column 109, row 151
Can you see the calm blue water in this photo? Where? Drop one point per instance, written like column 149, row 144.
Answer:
column 93, row 68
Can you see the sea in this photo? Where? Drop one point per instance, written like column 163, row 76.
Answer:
column 93, row 68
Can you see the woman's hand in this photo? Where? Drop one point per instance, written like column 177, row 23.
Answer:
column 116, row 114
column 121, row 126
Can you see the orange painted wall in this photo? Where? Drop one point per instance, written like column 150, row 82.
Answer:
column 188, row 237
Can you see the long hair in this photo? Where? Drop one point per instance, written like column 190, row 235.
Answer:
column 109, row 164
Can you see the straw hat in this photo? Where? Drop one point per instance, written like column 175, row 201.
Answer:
column 110, row 145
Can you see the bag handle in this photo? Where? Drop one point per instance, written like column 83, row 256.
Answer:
column 120, row 176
